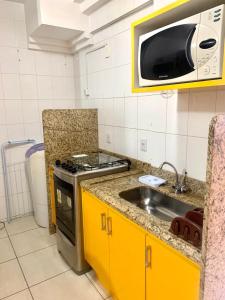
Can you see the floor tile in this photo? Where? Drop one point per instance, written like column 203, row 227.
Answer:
column 42, row 265
column 20, row 225
column 32, row 240
column 6, row 250
column 67, row 286
column 93, row 278
column 11, row 279
column 24, row 295
column 3, row 233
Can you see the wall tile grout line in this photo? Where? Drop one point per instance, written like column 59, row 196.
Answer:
column 29, row 287
column 54, row 276
column 3, row 262
column 14, row 294
column 94, row 286
column 22, row 231
column 20, row 266
column 18, row 257
column 36, row 251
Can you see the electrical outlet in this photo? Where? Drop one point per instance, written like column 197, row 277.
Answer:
column 108, row 138
column 144, row 145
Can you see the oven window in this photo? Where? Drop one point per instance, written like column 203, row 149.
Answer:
column 167, row 54
column 65, row 208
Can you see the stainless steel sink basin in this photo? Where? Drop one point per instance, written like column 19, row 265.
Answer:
column 156, row 203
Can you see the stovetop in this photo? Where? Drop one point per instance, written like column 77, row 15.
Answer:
column 90, row 162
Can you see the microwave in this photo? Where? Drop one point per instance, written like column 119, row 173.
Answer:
column 189, row 50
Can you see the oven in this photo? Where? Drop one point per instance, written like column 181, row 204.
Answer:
column 68, row 203
column 69, row 231
column 65, row 208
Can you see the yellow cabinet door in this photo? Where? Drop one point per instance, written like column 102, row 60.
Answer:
column 96, row 242
column 127, row 258
column 169, row 275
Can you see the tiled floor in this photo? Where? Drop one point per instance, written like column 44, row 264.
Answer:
column 31, row 267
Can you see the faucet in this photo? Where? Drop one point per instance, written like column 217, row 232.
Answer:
column 180, row 187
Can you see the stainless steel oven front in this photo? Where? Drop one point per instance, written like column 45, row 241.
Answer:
column 69, row 220
column 69, row 224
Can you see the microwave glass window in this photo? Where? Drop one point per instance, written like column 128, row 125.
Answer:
column 167, row 54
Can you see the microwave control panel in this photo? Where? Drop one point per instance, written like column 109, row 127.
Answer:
column 211, row 31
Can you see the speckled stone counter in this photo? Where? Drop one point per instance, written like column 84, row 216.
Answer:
column 107, row 189
column 213, row 248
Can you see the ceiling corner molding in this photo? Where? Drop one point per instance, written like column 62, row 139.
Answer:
column 50, row 45
column 82, row 38
column 123, row 16
column 87, row 7
column 81, row 46
column 71, row 31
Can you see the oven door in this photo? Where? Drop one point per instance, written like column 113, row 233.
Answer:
column 168, row 53
column 65, row 208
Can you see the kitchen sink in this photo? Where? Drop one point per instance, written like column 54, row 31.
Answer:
column 156, row 203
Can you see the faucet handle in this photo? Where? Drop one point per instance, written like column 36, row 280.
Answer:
column 183, row 184
column 184, row 174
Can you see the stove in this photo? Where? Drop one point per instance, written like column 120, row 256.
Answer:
column 68, row 174
column 90, row 162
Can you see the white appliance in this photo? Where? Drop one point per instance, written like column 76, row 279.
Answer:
column 35, row 165
column 189, row 50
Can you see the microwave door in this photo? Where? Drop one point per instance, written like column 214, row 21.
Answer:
column 167, row 54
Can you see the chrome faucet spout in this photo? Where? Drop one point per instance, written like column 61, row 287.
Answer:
column 172, row 166
column 179, row 187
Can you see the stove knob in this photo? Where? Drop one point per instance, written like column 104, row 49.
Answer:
column 57, row 162
column 74, row 170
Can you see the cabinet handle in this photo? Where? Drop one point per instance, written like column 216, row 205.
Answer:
column 103, row 221
column 148, row 257
column 109, row 226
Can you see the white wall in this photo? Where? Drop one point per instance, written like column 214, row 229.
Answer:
column 29, row 82
column 63, row 13
column 175, row 125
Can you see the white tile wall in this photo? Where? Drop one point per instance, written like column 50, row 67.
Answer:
column 30, row 81
column 174, row 125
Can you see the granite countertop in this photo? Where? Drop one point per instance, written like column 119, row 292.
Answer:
column 107, row 189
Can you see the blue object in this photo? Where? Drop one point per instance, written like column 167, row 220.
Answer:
column 35, row 148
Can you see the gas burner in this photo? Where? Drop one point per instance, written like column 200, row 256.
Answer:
column 91, row 162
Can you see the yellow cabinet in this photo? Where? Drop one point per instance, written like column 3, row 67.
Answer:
column 114, row 247
column 169, row 275
column 131, row 263
column 127, row 256
column 96, row 242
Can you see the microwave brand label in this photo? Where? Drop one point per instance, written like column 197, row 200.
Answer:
column 163, row 76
